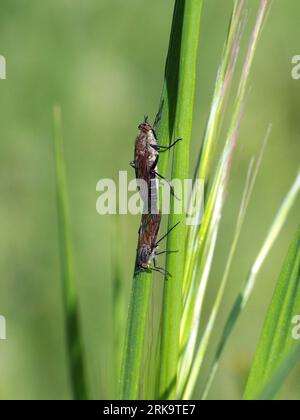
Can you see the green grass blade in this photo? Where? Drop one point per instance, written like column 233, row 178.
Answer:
column 194, row 256
column 168, row 100
column 204, row 342
column 135, row 336
column 246, row 293
column 222, row 89
column 276, row 341
column 201, row 241
column 73, row 334
column 274, row 384
column 172, row 301
column 118, row 304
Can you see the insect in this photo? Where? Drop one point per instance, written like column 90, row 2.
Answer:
column 146, row 156
column 148, row 244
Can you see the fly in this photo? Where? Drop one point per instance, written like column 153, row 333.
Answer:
column 148, row 244
column 146, row 156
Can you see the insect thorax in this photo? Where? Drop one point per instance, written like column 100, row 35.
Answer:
column 146, row 255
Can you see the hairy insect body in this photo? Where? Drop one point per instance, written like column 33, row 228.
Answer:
column 145, row 164
column 144, row 150
column 146, row 155
column 148, row 244
column 147, row 241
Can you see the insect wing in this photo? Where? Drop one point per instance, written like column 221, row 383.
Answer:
column 149, row 229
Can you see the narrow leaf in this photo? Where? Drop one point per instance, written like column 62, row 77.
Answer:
column 73, row 333
column 190, row 12
column 279, row 377
column 246, row 293
column 276, row 341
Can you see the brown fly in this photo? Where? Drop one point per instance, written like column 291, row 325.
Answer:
column 146, row 155
column 148, row 244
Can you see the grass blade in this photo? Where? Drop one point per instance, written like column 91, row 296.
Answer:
column 118, row 304
column 168, row 100
column 134, row 340
column 73, row 334
column 172, row 301
column 194, row 256
column 274, row 384
column 203, row 345
column 204, row 342
column 276, row 341
column 197, row 267
column 222, row 89
column 245, row 295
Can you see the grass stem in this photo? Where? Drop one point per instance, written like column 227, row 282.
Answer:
column 73, row 333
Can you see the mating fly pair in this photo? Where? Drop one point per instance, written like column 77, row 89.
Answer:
column 146, row 156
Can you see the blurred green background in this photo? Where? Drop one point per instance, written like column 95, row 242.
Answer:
column 103, row 61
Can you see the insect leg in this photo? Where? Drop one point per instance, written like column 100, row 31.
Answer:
column 162, row 271
column 158, row 269
column 138, row 271
column 154, row 165
column 168, row 182
column 168, row 233
column 167, row 252
column 163, row 149
column 132, row 164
